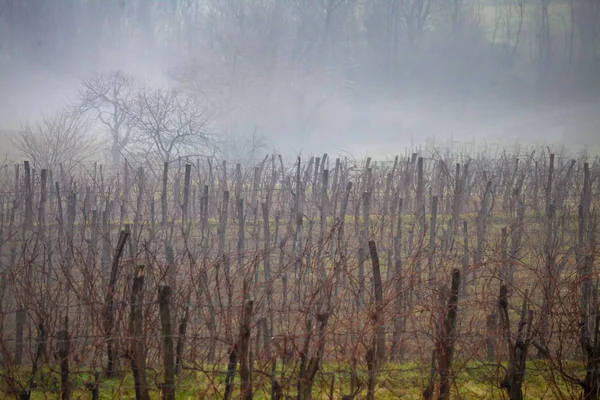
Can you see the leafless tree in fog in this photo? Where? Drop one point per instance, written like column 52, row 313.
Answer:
column 61, row 139
column 245, row 149
column 106, row 97
column 169, row 124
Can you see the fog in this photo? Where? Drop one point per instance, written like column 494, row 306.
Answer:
column 312, row 76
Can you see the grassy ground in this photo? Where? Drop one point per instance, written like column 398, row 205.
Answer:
column 406, row 381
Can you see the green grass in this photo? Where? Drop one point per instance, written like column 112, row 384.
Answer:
column 473, row 381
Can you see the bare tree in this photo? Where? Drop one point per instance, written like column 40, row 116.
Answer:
column 169, row 124
column 245, row 148
column 106, row 97
column 416, row 15
column 61, row 139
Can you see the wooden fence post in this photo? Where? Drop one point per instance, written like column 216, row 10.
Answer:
column 28, row 223
column 110, row 305
column 379, row 314
column 444, row 350
column 308, row 371
column 517, row 350
column 245, row 367
column 396, row 351
column 482, row 220
column 163, row 196
column 164, row 300
column 64, row 348
column 456, row 202
column 448, row 338
column 181, row 339
column 20, row 322
column 376, row 354
column 138, row 348
column 39, row 354
column 432, row 237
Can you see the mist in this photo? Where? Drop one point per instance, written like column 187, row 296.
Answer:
column 338, row 76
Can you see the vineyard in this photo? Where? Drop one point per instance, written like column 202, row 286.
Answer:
column 432, row 275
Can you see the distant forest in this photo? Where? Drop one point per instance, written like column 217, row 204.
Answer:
column 236, row 51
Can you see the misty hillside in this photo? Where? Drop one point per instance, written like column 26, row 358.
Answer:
column 304, row 74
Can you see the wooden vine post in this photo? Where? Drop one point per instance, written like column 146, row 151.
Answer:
column 448, row 337
column 110, row 306
column 376, row 355
column 245, row 367
column 138, row 348
column 164, row 302
column 64, row 348
column 444, row 350
column 308, row 370
column 517, row 349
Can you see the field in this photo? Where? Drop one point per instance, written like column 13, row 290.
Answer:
column 431, row 275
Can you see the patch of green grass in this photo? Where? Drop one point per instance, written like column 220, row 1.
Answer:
column 472, row 381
